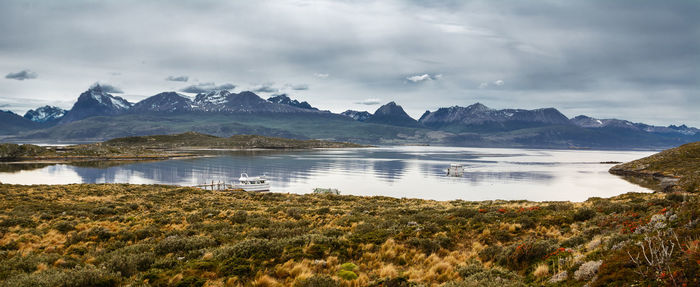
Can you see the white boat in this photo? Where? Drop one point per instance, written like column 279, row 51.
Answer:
column 256, row 183
column 455, row 169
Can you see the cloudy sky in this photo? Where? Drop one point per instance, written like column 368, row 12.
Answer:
column 636, row 60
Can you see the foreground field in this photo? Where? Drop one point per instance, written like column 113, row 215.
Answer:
column 140, row 235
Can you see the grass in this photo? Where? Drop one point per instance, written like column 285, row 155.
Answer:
column 152, row 235
column 672, row 169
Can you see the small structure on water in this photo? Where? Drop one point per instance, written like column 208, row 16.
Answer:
column 455, row 169
column 255, row 183
column 245, row 182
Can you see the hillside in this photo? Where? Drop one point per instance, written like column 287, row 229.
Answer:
column 149, row 235
column 11, row 123
column 672, row 169
column 192, row 140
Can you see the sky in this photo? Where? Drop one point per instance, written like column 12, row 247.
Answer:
column 634, row 60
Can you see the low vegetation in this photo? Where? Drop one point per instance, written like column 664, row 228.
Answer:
column 673, row 169
column 151, row 235
column 201, row 141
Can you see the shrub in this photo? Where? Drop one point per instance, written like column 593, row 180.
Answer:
column 490, row 253
column 520, row 256
column 494, row 277
column 21, row 221
column 88, row 277
column 64, row 226
column 584, row 214
column 175, row 244
column 347, row 275
column 239, row 217
column 317, row 281
column 348, row 266
column 100, row 233
column 470, row 269
column 129, row 263
column 235, row 267
column 587, row 270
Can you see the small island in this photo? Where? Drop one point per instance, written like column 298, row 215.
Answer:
column 155, row 147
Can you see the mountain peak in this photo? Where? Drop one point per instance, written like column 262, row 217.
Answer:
column 96, row 102
column 392, row 114
column 359, row 116
column 164, row 102
column 477, row 107
column 95, row 88
column 45, row 114
column 285, row 100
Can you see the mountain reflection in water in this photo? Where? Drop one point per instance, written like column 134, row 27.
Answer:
column 390, row 171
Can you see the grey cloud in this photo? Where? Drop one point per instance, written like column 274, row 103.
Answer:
column 369, row 102
column 207, row 87
column 177, row 78
column 108, row 88
column 265, row 88
column 299, row 87
column 22, row 75
column 548, row 53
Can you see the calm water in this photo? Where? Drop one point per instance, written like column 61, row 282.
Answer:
column 414, row 172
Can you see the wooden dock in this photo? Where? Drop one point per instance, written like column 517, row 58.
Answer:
column 220, row 185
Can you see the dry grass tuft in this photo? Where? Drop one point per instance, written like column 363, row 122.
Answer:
column 265, row 281
column 541, row 271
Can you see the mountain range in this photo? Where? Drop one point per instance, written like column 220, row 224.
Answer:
column 98, row 115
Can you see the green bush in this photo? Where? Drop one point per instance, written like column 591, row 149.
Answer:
column 235, row 267
column 584, row 214
column 177, row 244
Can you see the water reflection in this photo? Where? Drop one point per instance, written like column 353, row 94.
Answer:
column 393, row 171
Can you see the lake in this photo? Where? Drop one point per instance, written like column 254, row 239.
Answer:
column 405, row 171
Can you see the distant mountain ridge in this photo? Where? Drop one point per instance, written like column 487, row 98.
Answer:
column 589, row 122
column 479, row 114
column 98, row 115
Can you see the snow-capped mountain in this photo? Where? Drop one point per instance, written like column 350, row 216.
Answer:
column 245, row 102
column 589, row 122
column 96, row 102
column 478, row 114
column 45, row 114
column 360, row 116
column 164, row 102
column 285, row 100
